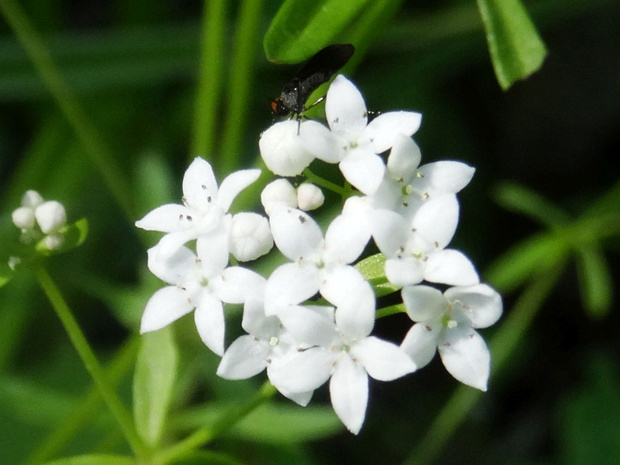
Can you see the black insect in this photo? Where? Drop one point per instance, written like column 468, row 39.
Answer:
column 317, row 70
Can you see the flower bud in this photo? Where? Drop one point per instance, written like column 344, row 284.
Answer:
column 282, row 150
column 24, row 218
column 250, row 236
column 278, row 193
column 309, row 197
column 51, row 216
column 53, row 241
column 32, row 199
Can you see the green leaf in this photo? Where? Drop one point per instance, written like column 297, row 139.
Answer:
column 301, row 28
column 373, row 269
column 515, row 46
column 6, row 273
column 206, row 457
column 532, row 255
column 154, row 378
column 95, row 459
column 594, row 280
column 74, row 235
column 518, row 198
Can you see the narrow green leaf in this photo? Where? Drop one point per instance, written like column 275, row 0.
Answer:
column 515, row 46
column 594, row 281
column 95, row 459
column 301, row 28
column 518, row 198
column 154, row 378
column 517, row 265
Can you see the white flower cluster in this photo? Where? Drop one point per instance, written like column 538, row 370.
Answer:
column 311, row 320
column 39, row 219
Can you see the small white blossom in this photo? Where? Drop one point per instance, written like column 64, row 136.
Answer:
column 309, row 197
column 446, row 322
column 278, row 193
column 51, row 216
column 204, row 206
column 416, row 249
column 353, row 142
column 250, row 236
column 197, row 283
column 341, row 349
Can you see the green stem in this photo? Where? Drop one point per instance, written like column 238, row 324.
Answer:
column 240, row 83
column 90, row 361
column 208, row 433
column 113, row 177
column 210, row 79
column 502, row 346
column 87, row 408
column 319, row 181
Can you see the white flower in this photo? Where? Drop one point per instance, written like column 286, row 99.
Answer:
column 416, row 249
column 445, row 323
column 204, row 206
column 198, row 283
column 266, row 345
column 355, row 143
column 309, row 197
column 278, row 193
column 316, row 260
column 250, row 236
column 343, row 350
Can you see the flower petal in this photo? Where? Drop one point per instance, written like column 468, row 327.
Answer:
column 390, row 231
column 436, row 220
column 167, row 218
column 320, row 142
column 310, row 325
column 165, row 306
column 480, row 303
column 382, row 131
column 423, row 303
column 466, row 357
column 444, row 177
column 245, row 358
column 450, row 267
column 346, row 238
column 290, row 284
column 363, row 169
column 295, row 233
column 348, row 390
column 381, row 359
column 177, row 269
column 405, row 272
column 233, row 184
column 345, row 109
column 420, row 343
column 237, row 284
column 302, row 372
column 404, row 158
column 199, row 185
column 209, row 319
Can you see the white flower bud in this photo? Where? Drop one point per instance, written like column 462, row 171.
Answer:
column 24, row 218
column 51, row 216
column 282, row 150
column 32, row 199
column 278, row 193
column 53, row 241
column 250, row 236
column 309, row 197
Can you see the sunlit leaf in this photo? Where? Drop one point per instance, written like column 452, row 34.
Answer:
column 373, row 269
column 515, row 46
column 595, row 281
column 154, row 378
column 301, row 28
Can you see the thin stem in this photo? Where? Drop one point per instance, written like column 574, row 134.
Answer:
column 90, row 361
column 319, row 181
column 208, row 433
column 240, row 83
column 502, row 346
column 113, row 177
column 210, row 79
column 87, row 408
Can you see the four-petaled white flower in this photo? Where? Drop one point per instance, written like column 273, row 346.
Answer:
column 353, row 142
column 200, row 282
column 204, row 206
column 445, row 323
column 342, row 349
column 416, row 248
